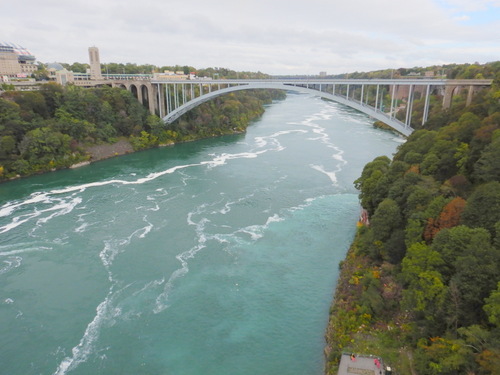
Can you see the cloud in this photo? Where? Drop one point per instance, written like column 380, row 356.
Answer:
column 461, row 18
column 272, row 36
column 472, row 6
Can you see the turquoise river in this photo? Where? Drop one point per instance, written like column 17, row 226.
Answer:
column 207, row 258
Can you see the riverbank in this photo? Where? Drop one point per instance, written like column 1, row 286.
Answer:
column 94, row 153
column 97, row 152
column 361, row 287
column 123, row 146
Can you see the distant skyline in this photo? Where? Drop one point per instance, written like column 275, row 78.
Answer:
column 271, row 36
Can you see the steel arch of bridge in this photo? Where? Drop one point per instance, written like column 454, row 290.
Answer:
column 175, row 98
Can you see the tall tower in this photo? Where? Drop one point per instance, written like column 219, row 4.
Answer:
column 95, row 63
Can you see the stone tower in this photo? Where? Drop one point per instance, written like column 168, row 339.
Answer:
column 95, row 63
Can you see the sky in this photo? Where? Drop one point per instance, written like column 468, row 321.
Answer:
column 278, row 37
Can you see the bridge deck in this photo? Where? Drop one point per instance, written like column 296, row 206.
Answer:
column 330, row 81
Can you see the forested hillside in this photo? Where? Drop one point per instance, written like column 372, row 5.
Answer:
column 421, row 283
column 51, row 128
column 448, row 71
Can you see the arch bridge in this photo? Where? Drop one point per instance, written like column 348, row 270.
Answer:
column 379, row 98
column 382, row 99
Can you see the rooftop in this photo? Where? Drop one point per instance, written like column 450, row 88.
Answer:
column 361, row 365
column 24, row 56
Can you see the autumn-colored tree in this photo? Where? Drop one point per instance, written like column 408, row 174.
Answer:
column 448, row 218
column 457, row 185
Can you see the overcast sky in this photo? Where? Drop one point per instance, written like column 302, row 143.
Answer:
column 271, row 36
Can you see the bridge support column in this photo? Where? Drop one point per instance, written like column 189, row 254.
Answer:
column 159, row 104
column 167, row 94
column 409, row 105
column 163, row 99
column 176, row 96
column 392, row 113
column 425, row 115
column 470, row 94
column 151, row 99
column 448, row 96
column 139, row 95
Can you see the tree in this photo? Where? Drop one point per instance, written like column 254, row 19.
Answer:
column 470, row 263
column 487, row 168
column 387, row 217
column 413, row 157
column 43, row 145
column 77, row 129
column 7, row 146
column 457, row 185
column 155, row 125
column 492, row 306
column 444, row 356
column 425, row 291
column 367, row 183
column 446, row 153
column 419, row 142
column 81, row 103
column 9, row 114
column 483, row 207
column 456, row 242
column 418, row 200
column 78, row 67
column 395, row 246
column 144, row 141
column 31, row 104
column 53, row 94
column 463, row 129
column 449, row 217
column 430, row 164
column 414, row 231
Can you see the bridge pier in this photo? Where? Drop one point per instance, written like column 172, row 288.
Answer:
column 425, row 115
column 159, row 106
column 449, row 91
column 472, row 91
column 455, row 86
column 139, row 94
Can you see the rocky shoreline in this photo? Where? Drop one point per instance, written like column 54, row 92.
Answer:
column 106, row 151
